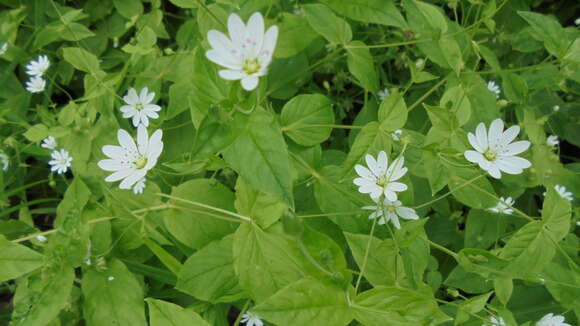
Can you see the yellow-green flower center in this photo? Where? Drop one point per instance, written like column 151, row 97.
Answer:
column 140, row 162
column 489, row 155
column 251, row 66
column 391, row 208
column 382, row 181
column 139, row 106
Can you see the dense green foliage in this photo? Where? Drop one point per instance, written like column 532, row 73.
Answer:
column 251, row 205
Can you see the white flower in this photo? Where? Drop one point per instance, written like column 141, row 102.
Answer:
column 35, row 84
column 4, row 161
column 495, row 322
column 131, row 161
column 577, row 21
column 493, row 151
column 139, row 107
column 379, row 177
column 561, row 190
column 391, row 211
column 556, row 108
column 60, row 162
column 503, row 206
column 419, row 63
column 552, row 320
column 49, row 143
column 3, row 48
column 383, row 94
column 110, row 278
column 139, row 187
column 41, row 238
column 494, row 88
column 246, row 53
column 552, row 141
column 396, row 135
column 251, row 319
column 38, row 68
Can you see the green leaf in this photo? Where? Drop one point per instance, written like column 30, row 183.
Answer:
column 301, row 115
column 295, row 36
column 190, row 225
column 397, row 307
column 128, row 8
column 361, row 64
column 477, row 194
column 82, row 60
column 470, row 307
column 45, row 295
column 36, row 133
column 371, row 139
column 112, row 296
column 17, row 260
column 327, row 24
column 503, row 289
column 162, row 313
column 369, row 11
column 261, row 207
column 549, row 30
column 556, row 213
column 306, row 302
column 381, row 267
column 260, row 156
column 393, row 112
column 515, row 87
column 214, row 135
column 483, row 228
column 70, row 209
column 185, row 3
column 209, row 273
column 425, row 19
column 266, row 261
column 529, row 250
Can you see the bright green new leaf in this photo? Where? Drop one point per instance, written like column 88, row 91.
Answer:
column 548, row 30
column 112, row 296
column 259, row 206
column 307, row 302
column 295, row 35
column 393, row 112
column 303, row 119
column 382, row 12
column 260, row 156
column 17, row 260
column 188, row 223
column 82, row 60
column 162, row 313
column 556, row 213
column 361, row 64
column 327, row 24
column 209, row 273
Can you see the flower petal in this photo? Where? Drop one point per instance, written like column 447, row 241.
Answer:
column 509, row 135
column 474, row 143
column 516, row 162
column 236, row 29
column 364, row 172
column 130, row 180
column 249, row 83
column 111, row 165
column 122, row 174
column 481, row 135
column 268, row 46
column 224, row 59
column 142, row 139
column 232, row 74
column 495, row 133
column 126, row 141
column 516, row 148
column 473, row 156
column 114, row 152
column 254, row 35
column 407, row 213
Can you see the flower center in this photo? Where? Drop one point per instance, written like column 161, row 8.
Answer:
column 139, row 106
column 382, row 181
column 140, row 162
column 489, row 155
column 391, row 208
column 251, row 66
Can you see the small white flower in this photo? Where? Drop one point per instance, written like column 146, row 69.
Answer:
column 552, row 141
column 504, row 206
column 383, row 94
column 494, row 150
column 577, row 21
column 139, row 187
column 246, row 53
column 4, row 161
column 556, row 108
column 110, row 278
column 552, row 320
column 419, row 63
column 396, row 135
column 494, row 88
column 41, row 238
column 35, row 84
column 251, row 319
column 131, row 161
column 139, row 107
column 49, row 143
column 391, row 211
column 60, row 162
column 561, row 190
column 39, row 67
column 3, row 47
column 378, row 179
column 495, row 322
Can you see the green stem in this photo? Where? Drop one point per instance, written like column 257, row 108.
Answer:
column 440, row 247
column 287, row 128
column 242, row 312
column 245, row 218
column 366, row 256
column 449, row 193
column 422, row 98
